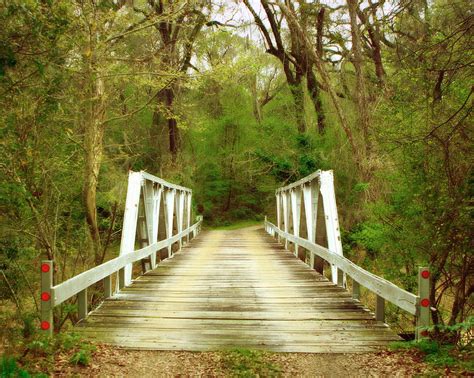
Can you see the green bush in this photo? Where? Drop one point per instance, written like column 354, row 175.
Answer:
column 9, row 368
column 81, row 357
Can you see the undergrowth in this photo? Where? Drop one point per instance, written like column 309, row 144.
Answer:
column 36, row 356
column 226, row 225
column 441, row 355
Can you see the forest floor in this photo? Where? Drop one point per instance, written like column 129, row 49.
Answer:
column 111, row 361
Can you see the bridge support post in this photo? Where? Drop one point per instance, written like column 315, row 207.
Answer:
column 278, row 201
column 295, row 196
column 423, row 305
column 188, row 213
column 355, row 290
column 82, row 307
column 130, row 218
column 121, row 278
column 108, row 287
column 47, row 300
column 340, row 278
column 169, row 214
column 286, row 215
column 330, row 214
column 380, row 309
column 152, row 200
column 310, row 200
column 179, row 198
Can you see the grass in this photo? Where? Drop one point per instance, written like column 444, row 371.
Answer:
column 250, row 363
column 237, row 225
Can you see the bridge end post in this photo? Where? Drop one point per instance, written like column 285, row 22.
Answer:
column 423, row 305
column 47, row 325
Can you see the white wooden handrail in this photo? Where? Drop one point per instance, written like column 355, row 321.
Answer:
column 288, row 206
column 141, row 220
column 76, row 284
column 378, row 285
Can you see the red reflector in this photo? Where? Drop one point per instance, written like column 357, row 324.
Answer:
column 424, row 333
column 45, row 325
column 45, row 268
column 45, row 296
column 425, row 274
column 425, row 302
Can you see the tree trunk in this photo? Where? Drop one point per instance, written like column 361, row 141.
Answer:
column 257, row 110
column 297, row 92
column 163, row 119
column 361, row 90
column 292, row 21
column 93, row 150
column 172, row 124
column 374, row 37
column 312, row 83
column 315, row 93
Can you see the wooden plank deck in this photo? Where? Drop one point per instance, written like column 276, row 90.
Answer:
column 239, row 288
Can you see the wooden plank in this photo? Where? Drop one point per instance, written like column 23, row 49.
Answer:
column 284, row 325
column 244, row 294
column 209, row 335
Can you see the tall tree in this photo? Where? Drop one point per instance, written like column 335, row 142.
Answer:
column 297, row 64
column 179, row 26
column 361, row 85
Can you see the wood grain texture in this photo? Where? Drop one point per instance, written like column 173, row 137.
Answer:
column 239, row 288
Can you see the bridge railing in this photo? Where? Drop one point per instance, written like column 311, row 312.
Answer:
column 289, row 202
column 141, row 223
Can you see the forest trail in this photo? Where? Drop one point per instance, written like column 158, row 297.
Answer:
column 236, row 289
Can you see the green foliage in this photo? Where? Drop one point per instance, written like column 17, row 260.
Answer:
column 81, row 357
column 238, row 225
column 408, row 202
column 436, row 354
column 249, row 363
column 9, row 368
column 449, row 346
column 461, row 334
column 29, row 325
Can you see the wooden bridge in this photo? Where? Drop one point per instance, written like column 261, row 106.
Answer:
column 228, row 289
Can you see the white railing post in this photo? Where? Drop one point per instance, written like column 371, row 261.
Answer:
column 295, row 195
column 189, row 198
column 180, row 214
column 310, row 199
column 330, row 215
column 278, row 203
column 151, row 218
column 286, row 215
column 169, row 213
column 130, row 217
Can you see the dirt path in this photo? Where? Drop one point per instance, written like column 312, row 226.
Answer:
column 113, row 362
